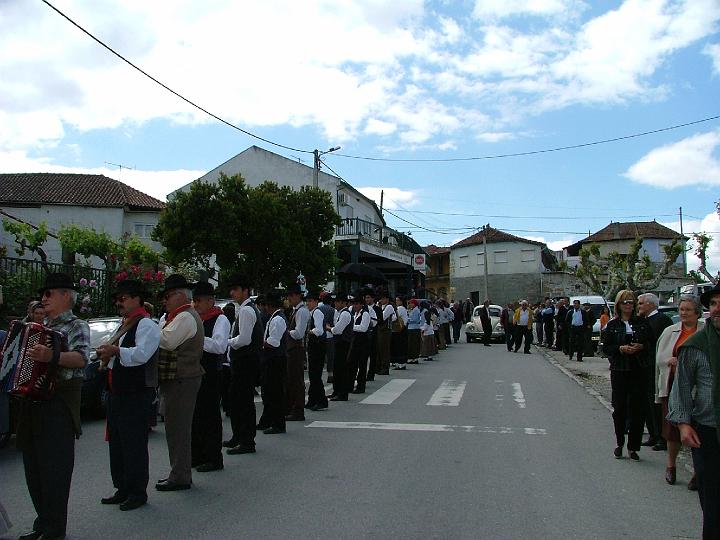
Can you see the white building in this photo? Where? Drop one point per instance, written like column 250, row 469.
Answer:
column 92, row 201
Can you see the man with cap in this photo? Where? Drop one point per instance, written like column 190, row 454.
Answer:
column 523, row 321
column 296, row 354
column 207, row 420
column 375, row 317
column 272, row 420
column 131, row 359
column 245, row 350
column 342, row 331
column 360, row 343
column 576, row 320
column 316, row 345
column 47, row 429
column 182, row 337
column 695, row 407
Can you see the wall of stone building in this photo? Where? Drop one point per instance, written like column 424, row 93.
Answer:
column 501, row 288
column 561, row 284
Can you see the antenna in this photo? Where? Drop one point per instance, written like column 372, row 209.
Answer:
column 120, row 167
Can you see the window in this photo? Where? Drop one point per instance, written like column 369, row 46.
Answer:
column 464, row 261
column 143, row 230
column 481, row 258
column 501, row 256
column 527, row 255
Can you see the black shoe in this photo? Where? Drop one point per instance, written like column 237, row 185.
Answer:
column 132, row 504
column 273, row 431
column 618, row 452
column 660, row 446
column 231, row 443
column 50, row 536
column 319, row 407
column 309, row 405
column 650, row 442
column 372, row 377
column 330, row 379
column 400, row 367
column 115, row 499
column 241, row 449
column 294, row 418
column 339, row 398
column 579, row 359
column 358, row 391
column 32, row 535
column 528, row 352
column 634, row 455
column 261, row 427
column 167, row 485
column 209, row 467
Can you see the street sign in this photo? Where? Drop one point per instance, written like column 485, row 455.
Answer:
column 419, row 262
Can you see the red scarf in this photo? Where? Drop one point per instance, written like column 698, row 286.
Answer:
column 137, row 312
column 175, row 312
column 212, row 312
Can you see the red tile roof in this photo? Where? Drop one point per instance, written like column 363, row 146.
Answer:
column 432, row 249
column 627, row 231
column 493, row 236
column 74, row 190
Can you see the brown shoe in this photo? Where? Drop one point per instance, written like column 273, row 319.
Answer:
column 670, row 475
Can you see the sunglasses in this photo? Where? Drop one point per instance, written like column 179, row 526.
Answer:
column 627, row 302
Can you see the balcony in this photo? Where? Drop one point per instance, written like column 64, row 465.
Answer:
column 378, row 235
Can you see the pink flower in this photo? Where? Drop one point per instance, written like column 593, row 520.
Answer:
column 93, row 283
column 160, row 276
column 122, row 276
column 148, row 276
column 83, row 282
column 135, row 269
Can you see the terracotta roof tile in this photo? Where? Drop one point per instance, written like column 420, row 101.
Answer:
column 74, row 190
column 627, row 231
column 494, row 236
column 432, row 249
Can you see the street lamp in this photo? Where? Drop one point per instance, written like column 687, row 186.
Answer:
column 316, row 169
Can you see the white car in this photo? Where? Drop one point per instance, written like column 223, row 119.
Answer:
column 474, row 330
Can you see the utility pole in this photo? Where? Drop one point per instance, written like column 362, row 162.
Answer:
column 485, row 260
column 382, row 200
column 682, row 243
column 316, row 165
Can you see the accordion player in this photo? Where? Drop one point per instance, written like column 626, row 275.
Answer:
column 19, row 373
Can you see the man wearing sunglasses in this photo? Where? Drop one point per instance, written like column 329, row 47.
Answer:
column 47, row 429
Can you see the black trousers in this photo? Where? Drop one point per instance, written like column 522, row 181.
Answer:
column 316, row 362
column 49, row 459
column 523, row 332
column 706, row 461
column 357, row 360
column 560, row 337
column 372, row 367
column 577, row 344
column 274, row 382
column 127, row 428
column 456, row 326
column 487, row 334
column 446, row 329
column 509, row 337
column 207, row 419
column 628, row 401
column 539, row 331
column 341, row 370
column 243, row 417
column 549, row 330
column 225, row 380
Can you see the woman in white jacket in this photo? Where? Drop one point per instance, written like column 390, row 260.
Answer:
column 667, row 345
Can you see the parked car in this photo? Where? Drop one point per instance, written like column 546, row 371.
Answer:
column 94, row 390
column 597, row 303
column 671, row 311
column 474, row 331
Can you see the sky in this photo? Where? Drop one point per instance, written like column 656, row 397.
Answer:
column 392, row 80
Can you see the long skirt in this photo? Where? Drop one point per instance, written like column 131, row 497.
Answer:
column 440, row 338
column 428, row 346
column 399, row 347
column 414, row 337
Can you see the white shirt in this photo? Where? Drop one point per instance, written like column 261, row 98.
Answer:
column 373, row 316
column 364, row 322
column 275, row 329
column 329, row 333
column 577, row 319
column 449, row 314
column 319, row 320
column 218, row 342
column 389, row 313
column 147, row 341
column 523, row 318
column 244, row 323
column 302, row 318
column 427, row 328
column 342, row 319
column 403, row 313
column 177, row 331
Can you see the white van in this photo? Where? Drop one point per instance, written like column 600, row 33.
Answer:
column 596, row 305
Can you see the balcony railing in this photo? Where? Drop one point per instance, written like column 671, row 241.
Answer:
column 356, row 227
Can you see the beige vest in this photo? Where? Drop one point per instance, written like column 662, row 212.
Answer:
column 190, row 352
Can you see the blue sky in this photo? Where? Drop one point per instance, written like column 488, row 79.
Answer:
column 393, row 79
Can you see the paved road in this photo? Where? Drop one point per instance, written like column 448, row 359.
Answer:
column 479, row 444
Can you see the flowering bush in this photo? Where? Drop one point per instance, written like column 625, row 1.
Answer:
column 88, row 293
column 152, row 280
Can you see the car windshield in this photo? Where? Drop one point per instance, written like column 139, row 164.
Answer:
column 100, row 331
column 494, row 312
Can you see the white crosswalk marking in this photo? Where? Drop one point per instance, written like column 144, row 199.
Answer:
column 389, row 426
column 518, row 396
column 388, row 393
column 448, row 394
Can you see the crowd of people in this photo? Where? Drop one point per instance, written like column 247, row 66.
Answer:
column 200, row 359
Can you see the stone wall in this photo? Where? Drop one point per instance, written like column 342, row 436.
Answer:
column 561, row 284
column 501, row 288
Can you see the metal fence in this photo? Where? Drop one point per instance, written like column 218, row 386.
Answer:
column 377, row 233
column 25, row 277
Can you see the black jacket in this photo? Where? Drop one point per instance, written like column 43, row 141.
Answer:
column 615, row 335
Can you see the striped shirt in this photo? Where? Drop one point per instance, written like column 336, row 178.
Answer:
column 691, row 398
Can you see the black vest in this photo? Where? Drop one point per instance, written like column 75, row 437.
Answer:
column 256, row 340
column 210, row 361
column 347, row 333
column 128, row 380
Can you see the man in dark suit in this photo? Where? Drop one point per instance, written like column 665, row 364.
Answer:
column 486, row 322
column 648, row 308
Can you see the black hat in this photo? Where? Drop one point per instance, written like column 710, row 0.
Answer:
column 238, row 280
column 312, row 295
column 707, row 295
column 367, row 291
column 274, row 299
column 294, row 288
column 383, row 293
column 260, row 300
column 57, row 280
column 131, row 287
column 358, row 296
column 340, row 297
column 203, row 288
column 175, row 281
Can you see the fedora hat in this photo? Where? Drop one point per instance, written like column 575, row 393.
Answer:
column 203, row 288
column 294, row 288
column 238, row 280
column 175, row 281
column 707, row 295
column 131, row 287
column 274, row 299
column 57, row 280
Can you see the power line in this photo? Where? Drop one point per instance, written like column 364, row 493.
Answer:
column 529, row 217
column 166, row 87
column 533, row 152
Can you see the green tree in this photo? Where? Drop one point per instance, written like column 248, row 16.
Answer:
column 88, row 243
column 607, row 275
column 701, row 243
column 29, row 238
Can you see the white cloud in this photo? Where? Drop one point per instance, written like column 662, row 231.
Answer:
column 155, row 183
column 378, row 127
column 506, row 8
column 554, row 245
column 709, row 224
column 713, row 51
column 691, row 161
column 392, row 197
column 493, row 137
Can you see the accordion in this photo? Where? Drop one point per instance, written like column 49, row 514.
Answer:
column 21, row 375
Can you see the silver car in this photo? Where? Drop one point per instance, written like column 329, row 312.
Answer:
column 474, row 330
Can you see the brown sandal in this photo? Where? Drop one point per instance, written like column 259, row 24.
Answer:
column 670, row 475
